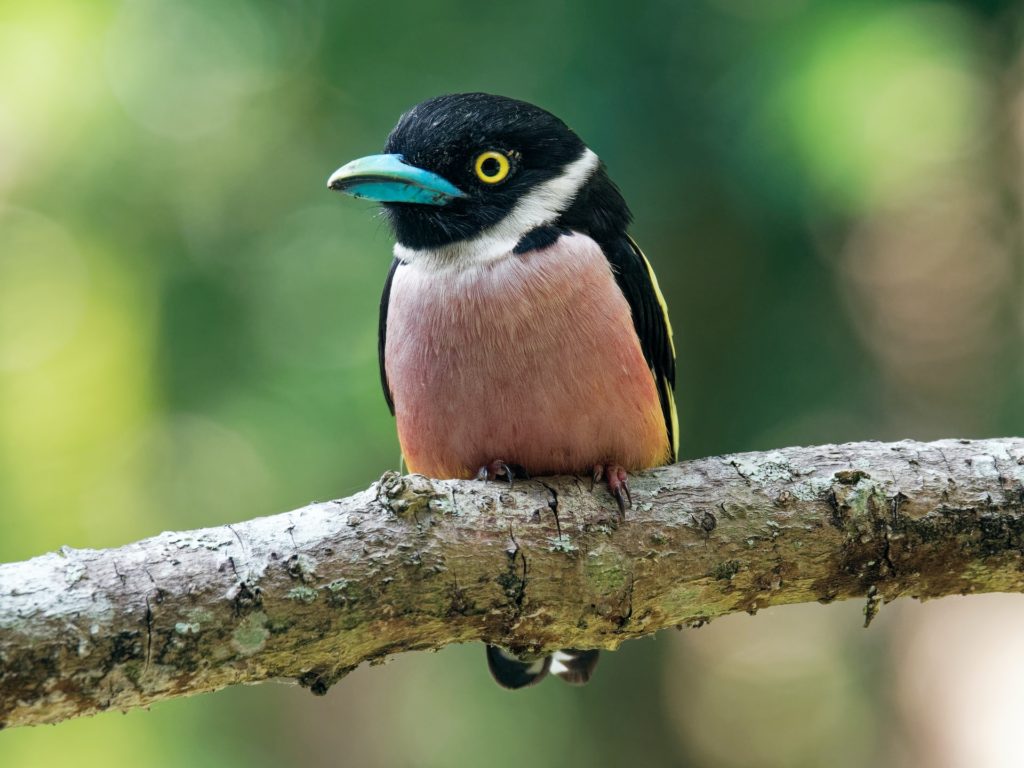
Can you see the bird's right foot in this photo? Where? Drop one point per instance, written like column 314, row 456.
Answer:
column 499, row 468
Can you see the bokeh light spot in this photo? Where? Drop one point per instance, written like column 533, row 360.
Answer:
column 882, row 102
column 43, row 283
column 185, row 69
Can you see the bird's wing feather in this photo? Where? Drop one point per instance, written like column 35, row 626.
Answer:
column 638, row 283
column 382, row 334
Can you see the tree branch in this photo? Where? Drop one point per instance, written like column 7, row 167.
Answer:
column 414, row 563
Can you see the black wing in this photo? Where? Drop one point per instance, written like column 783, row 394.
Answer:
column 638, row 283
column 382, row 334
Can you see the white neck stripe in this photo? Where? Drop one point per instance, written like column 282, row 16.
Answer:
column 541, row 205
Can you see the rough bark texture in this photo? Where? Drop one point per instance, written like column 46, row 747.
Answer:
column 413, row 563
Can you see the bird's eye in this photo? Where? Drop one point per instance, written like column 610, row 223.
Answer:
column 491, row 167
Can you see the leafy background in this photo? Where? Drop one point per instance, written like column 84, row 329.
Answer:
column 829, row 189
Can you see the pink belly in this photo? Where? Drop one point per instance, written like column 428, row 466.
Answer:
column 531, row 359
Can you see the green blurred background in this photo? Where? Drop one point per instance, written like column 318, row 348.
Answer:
column 829, row 190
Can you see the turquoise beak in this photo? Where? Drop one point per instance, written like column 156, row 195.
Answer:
column 389, row 179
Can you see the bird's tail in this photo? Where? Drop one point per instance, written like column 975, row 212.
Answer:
column 575, row 667
column 510, row 671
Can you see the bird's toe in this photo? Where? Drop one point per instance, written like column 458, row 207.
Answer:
column 502, row 469
column 618, row 484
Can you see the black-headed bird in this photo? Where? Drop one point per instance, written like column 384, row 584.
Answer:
column 522, row 330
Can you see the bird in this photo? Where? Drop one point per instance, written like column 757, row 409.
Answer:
column 522, row 331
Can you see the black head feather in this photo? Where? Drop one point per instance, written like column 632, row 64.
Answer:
column 447, row 133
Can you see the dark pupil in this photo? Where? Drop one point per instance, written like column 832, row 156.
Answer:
column 490, row 166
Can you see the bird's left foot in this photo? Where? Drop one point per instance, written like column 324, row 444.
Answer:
column 618, row 484
column 499, row 468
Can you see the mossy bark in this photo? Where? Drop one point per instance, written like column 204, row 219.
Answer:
column 414, row 563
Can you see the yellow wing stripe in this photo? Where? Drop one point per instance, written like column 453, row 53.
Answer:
column 675, row 418
column 657, row 293
column 668, row 325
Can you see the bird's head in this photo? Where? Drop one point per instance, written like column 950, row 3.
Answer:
column 472, row 173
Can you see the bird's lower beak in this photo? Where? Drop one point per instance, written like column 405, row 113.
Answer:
column 389, row 179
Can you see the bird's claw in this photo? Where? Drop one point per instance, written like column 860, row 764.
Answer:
column 499, row 468
column 618, row 484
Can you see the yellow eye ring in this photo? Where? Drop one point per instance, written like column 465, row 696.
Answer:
column 491, row 167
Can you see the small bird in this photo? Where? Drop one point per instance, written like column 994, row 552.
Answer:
column 522, row 330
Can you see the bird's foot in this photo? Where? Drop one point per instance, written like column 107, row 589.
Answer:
column 618, row 484
column 499, row 468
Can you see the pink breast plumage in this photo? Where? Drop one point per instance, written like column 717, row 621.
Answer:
column 531, row 359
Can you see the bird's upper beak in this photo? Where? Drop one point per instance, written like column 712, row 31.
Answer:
column 389, row 179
